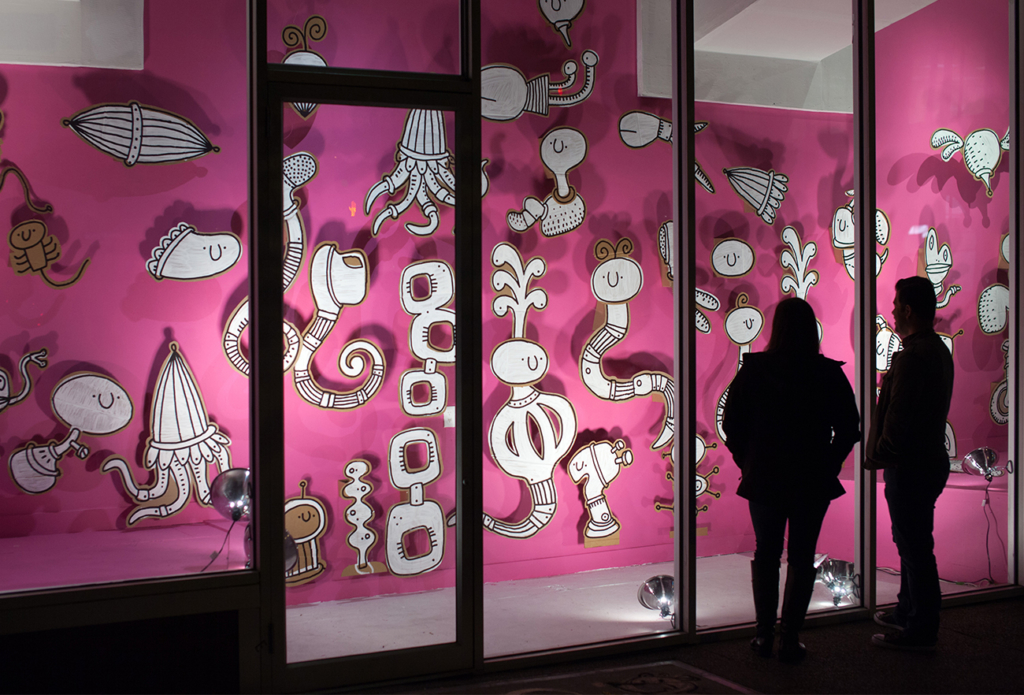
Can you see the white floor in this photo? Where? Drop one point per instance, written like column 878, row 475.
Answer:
column 539, row 614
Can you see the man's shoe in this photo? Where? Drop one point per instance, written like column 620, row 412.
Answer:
column 899, row 640
column 888, row 619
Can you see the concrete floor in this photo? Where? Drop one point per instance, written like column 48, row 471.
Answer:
column 538, row 614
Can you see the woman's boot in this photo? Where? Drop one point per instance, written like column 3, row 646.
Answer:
column 796, row 598
column 764, row 580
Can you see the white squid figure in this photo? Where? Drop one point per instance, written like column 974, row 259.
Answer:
column 424, row 167
column 615, row 281
column 843, row 236
column 982, row 151
column 521, row 363
column 182, row 444
column 938, row 262
column 561, row 150
column 299, row 169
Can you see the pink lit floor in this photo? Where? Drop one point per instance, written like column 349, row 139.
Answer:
column 538, row 614
column 94, row 557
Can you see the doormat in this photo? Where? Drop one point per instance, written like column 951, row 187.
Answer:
column 643, row 679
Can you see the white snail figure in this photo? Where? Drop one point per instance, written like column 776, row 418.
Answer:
column 418, row 513
column 999, row 404
column 704, row 299
column 763, row 190
column 844, row 236
column 982, row 151
column 337, row 279
column 561, row 150
column 505, row 94
column 560, row 14
column 358, row 515
column 424, row 166
column 743, row 325
column 616, row 281
column 183, row 443
column 887, row 344
column 596, row 466
column 796, row 259
column 299, row 169
column 428, row 311
column 89, row 404
column 521, row 363
column 38, row 358
column 639, row 129
column 938, row 262
column 315, row 29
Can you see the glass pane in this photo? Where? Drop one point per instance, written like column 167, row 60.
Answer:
column 125, row 197
column 943, row 179
column 405, row 36
column 370, row 380
column 577, row 327
column 774, row 145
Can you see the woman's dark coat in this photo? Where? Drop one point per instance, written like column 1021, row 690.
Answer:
column 780, row 416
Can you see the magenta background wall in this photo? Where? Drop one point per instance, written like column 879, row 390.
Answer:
column 118, row 320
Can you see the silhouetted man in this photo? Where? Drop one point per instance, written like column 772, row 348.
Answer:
column 907, row 440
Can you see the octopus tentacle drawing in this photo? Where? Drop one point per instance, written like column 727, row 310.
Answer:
column 521, row 363
column 615, row 281
column 424, row 167
column 337, row 279
column 299, row 169
column 38, row 358
column 182, row 444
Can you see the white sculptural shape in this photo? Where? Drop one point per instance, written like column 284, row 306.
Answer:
column 418, row 513
column 561, row 150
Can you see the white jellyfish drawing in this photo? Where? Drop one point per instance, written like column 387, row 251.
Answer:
column 982, row 151
column 763, row 190
column 38, row 358
column 938, row 262
column 424, row 167
column 797, row 259
column 844, row 236
column 639, row 129
column 138, row 134
column 561, row 14
column 185, row 254
column 88, row 403
column 595, row 466
column 505, row 94
column 314, row 29
column 615, row 282
column 561, row 150
column 743, row 325
column 182, row 444
column 520, row 363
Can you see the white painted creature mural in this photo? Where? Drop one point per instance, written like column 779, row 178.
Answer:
column 298, row 40
column 561, row 14
column 89, row 404
column 185, row 254
column 505, row 94
column 358, row 487
column 763, row 190
column 844, row 236
column 616, row 281
column 418, row 513
column 182, row 444
column 704, row 299
column 428, row 310
column 520, row 363
column 38, row 358
column 743, row 325
column 305, row 520
column 797, row 259
column 595, row 466
column 938, row 261
column 639, row 129
column 561, row 150
column 982, row 151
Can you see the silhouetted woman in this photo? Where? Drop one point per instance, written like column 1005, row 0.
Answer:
column 791, row 420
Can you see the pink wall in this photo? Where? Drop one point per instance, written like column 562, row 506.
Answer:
column 117, row 320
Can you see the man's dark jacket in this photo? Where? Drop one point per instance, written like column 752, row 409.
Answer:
column 909, row 426
column 779, row 420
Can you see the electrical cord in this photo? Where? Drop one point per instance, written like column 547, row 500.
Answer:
column 214, row 556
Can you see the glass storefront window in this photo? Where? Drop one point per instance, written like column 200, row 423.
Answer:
column 125, row 199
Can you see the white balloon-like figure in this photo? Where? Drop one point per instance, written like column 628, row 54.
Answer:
column 561, row 150
column 616, row 281
column 938, row 262
column 521, row 363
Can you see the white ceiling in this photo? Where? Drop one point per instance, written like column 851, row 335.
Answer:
column 808, row 30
